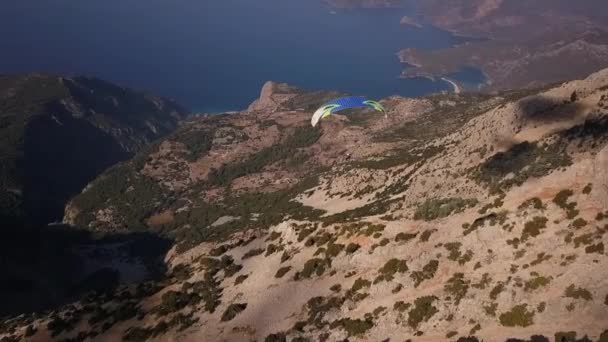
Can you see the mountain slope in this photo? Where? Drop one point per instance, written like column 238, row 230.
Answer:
column 458, row 215
column 524, row 43
column 57, row 133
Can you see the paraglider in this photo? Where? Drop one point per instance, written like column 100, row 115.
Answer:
column 344, row 103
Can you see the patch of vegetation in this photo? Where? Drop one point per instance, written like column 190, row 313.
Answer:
column 133, row 197
column 401, row 306
column 405, row 237
column 577, row 293
column 197, row 142
column 312, row 267
column 359, row 284
column 252, row 252
column 534, row 202
column 302, row 137
column 496, row 291
column 353, row 327
column 524, row 160
column 541, row 307
column 282, row 271
column 587, row 189
column 457, row 286
column 537, row 282
column 492, row 218
column 422, row 311
column 561, row 200
column 390, row 268
column 336, row 288
column 273, row 236
column 433, row 209
column 579, row 223
column 352, row 248
column 456, row 254
column 491, row 309
column 518, row 316
column 562, row 336
column 599, row 248
column 428, row 272
column 318, row 307
column 232, row 310
column 533, row 228
column 240, row 279
column 333, row 249
column 361, row 228
column 540, row 257
column 276, row 337
column 219, row 250
column 424, row 237
column 483, row 282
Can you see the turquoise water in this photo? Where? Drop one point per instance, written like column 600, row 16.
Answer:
column 214, row 55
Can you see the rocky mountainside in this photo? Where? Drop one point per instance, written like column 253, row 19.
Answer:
column 459, row 217
column 58, row 133
column 523, row 43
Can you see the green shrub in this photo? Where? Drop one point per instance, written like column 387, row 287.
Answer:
column 433, row 209
column 496, row 291
column 240, row 279
column 428, row 272
column 319, row 306
column 426, row 235
column 523, row 160
column 517, row 316
column 390, row 268
column 282, row 271
column 302, row 137
column 232, row 310
column 422, row 311
column 533, row 228
column 541, row 307
column 535, row 202
column 312, row 267
column 579, row 223
column 352, row 248
column 457, row 286
column 491, row 309
column 599, row 248
column 537, row 282
column 401, row 306
column 405, row 237
column 569, row 336
column 353, row 327
column 253, row 252
column 561, row 200
column 359, row 284
column 278, row 337
column 333, row 249
column 578, row 293
column 587, row 189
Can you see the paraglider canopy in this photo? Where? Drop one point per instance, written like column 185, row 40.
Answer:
column 342, row 103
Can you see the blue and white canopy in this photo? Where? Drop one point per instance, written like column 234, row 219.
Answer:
column 341, row 104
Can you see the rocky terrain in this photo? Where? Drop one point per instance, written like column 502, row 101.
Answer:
column 517, row 43
column 57, row 134
column 459, row 217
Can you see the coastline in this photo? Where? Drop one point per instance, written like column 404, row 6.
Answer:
column 457, row 89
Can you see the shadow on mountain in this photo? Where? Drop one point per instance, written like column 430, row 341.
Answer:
column 545, row 109
column 47, row 266
column 62, row 155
